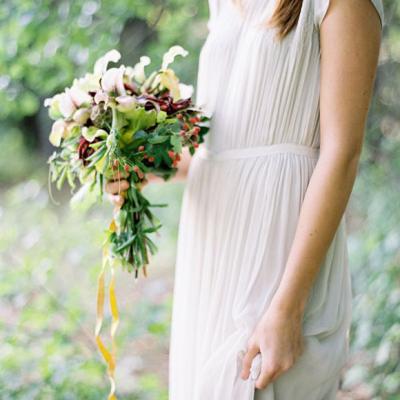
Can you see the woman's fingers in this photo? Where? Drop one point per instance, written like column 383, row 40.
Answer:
column 120, row 175
column 252, row 351
column 116, row 187
column 268, row 373
column 271, row 367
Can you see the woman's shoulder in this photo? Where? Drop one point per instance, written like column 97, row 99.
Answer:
column 320, row 8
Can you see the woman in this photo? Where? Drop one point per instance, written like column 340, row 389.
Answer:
column 262, row 297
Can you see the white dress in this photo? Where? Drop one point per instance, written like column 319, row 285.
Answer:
column 240, row 208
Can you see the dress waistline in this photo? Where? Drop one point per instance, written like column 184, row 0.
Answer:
column 258, row 151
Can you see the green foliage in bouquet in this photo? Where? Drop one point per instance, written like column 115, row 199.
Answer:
column 120, row 122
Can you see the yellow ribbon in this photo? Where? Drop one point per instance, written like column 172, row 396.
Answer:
column 109, row 356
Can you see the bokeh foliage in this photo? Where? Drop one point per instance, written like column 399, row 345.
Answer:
column 44, row 44
column 46, row 326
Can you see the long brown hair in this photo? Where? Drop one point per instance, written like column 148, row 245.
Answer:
column 284, row 17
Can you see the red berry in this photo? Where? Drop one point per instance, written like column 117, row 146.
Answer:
column 145, row 155
column 127, row 168
column 171, row 154
column 141, row 148
column 182, row 133
column 179, row 116
column 174, row 163
column 164, row 107
column 196, row 130
column 151, row 159
column 195, row 145
column 136, row 168
column 186, row 126
column 193, row 120
column 178, row 157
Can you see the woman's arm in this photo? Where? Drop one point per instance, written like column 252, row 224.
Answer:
column 350, row 41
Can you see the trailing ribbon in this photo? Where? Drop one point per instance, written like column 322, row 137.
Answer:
column 109, row 356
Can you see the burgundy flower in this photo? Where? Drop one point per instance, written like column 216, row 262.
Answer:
column 131, row 87
column 164, row 103
column 84, row 149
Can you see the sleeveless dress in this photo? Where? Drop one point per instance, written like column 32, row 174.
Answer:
column 240, row 208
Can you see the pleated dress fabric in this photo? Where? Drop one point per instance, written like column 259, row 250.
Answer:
column 240, row 208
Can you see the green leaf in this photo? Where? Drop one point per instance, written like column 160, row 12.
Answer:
column 138, row 119
column 152, row 229
column 176, row 143
column 70, row 178
column 91, row 133
column 97, row 155
column 62, row 178
column 158, row 139
column 125, row 244
column 161, row 116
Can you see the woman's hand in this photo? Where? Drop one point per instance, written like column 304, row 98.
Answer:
column 116, row 188
column 278, row 337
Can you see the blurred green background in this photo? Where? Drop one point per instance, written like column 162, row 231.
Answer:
column 50, row 254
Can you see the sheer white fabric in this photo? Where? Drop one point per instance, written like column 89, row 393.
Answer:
column 240, row 210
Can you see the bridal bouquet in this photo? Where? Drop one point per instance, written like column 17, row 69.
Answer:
column 116, row 122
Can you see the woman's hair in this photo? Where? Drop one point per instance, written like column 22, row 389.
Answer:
column 284, row 17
